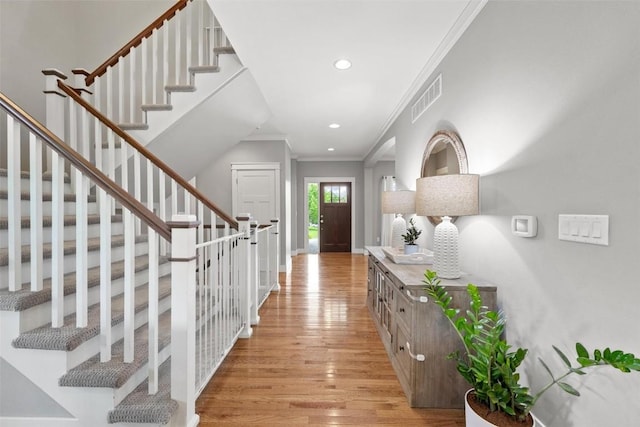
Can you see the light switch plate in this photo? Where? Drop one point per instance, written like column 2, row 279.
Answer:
column 592, row 229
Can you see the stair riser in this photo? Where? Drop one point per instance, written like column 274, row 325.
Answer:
column 40, row 315
column 69, row 262
column 69, row 207
column 25, row 185
column 92, row 347
column 93, row 230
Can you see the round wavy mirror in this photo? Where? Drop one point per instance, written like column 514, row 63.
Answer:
column 444, row 155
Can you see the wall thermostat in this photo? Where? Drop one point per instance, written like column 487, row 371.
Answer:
column 524, row 225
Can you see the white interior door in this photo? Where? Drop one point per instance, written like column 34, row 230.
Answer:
column 256, row 190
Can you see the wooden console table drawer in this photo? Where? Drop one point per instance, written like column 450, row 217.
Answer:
column 404, row 310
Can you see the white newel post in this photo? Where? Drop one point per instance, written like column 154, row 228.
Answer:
column 275, row 268
column 183, row 317
column 245, row 272
column 254, row 279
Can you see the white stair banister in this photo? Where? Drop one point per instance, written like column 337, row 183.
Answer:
column 105, row 275
column 245, row 271
column 55, row 122
column 254, row 274
column 35, row 173
column 275, row 267
column 183, row 319
column 13, row 183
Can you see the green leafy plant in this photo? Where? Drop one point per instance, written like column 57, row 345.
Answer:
column 412, row 233
column 489, row 364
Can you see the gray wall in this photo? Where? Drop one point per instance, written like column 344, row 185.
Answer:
column 328, row 170
column 545, row 96
column 215, row 180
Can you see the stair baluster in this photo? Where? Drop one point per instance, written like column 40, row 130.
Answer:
column 13, row 183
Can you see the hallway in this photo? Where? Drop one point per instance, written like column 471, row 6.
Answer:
column 314, row 359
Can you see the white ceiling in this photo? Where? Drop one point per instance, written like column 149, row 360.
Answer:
column 290, row 47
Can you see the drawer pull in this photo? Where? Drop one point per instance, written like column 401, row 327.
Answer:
column 401, row 310
column 420, row 299
column 418, row 357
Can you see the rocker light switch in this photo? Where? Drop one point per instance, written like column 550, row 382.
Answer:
column 592, row 229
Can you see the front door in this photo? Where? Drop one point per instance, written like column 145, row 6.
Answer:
column 335, row 217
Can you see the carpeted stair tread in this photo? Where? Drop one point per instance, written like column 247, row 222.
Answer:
column 68, row 337
column 180, row 88
column 47, row 176
column 114, row 373
column 46, row 197
column 197, row 69
column 116, row 145
column 228, row 50
column 69, row 220
column 140, row 407
column 156, row 107
column 93, row 244
column 133, row 126
column 25, row 298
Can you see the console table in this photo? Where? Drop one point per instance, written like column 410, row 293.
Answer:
column 414, row 331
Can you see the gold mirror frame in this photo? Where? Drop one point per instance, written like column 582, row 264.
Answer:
column 451, row 140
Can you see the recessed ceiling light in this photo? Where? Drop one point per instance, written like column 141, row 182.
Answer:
column 342, row 64
column 334, row 125
column 331, row 149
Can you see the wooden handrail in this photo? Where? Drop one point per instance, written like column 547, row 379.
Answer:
column 103, row 181
column 148, row 154
column 113, row 60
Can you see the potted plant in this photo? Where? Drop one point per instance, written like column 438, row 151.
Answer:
column 489, row 364
column 410, row 238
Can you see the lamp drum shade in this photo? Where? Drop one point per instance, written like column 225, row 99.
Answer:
column 401, row 201
column 447, row 195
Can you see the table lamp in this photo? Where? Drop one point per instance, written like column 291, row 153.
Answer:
column 447, row 196
column 398, row 202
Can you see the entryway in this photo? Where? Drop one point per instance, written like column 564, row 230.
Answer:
column 315, row 358
column 329, row 214
column 335, row 217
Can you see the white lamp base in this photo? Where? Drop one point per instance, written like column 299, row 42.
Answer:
column 446, row 261
column 398, row 228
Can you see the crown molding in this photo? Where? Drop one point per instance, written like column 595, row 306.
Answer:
column 468, row 15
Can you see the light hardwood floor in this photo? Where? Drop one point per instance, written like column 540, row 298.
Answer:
column 314, row 359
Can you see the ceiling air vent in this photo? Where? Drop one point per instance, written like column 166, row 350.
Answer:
column 429, row 96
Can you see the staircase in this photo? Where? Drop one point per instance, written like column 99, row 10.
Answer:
column 122, row 287
column 67, row 356
column 179, row 79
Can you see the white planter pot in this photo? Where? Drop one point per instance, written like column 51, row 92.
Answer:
column 472, row 419
column 410, row 249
